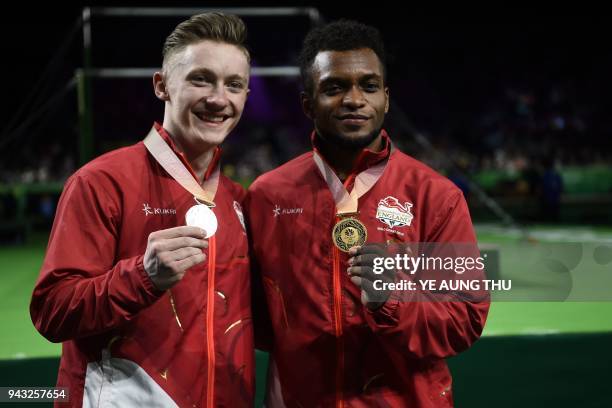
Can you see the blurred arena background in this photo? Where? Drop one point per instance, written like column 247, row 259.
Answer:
column 504, row 105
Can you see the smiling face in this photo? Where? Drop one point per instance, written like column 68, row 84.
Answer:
column 205, row 87
column 349, row 99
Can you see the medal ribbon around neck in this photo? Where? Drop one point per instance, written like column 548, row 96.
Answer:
column 349, row 231
column 164, row 155
column 200, row 215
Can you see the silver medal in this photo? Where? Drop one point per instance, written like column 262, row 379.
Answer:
column 203, row 217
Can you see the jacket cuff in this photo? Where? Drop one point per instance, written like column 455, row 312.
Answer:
column 387, row 315
column 149, row 289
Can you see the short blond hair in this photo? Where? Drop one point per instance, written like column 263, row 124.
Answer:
column 214, row 26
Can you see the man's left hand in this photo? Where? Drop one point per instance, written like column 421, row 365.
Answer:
column 361, row 271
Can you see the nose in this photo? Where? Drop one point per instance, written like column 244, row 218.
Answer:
column 217, row 99
column 353, row 99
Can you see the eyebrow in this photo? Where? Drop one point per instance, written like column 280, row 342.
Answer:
column 332, row 80
column 342, row 80
column 236, row 77
column 206, row 71
column 371, row 76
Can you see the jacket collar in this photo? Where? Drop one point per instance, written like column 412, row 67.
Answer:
column 211, row 166
column 366, row 159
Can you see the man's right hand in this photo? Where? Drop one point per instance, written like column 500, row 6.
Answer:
column 171, row 252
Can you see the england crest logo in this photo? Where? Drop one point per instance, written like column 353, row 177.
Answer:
column 392, row 213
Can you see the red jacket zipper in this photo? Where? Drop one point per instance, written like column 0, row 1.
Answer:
column 210, row 312
column 337, row 289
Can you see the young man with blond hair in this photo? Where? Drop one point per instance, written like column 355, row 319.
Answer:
column 151, row 311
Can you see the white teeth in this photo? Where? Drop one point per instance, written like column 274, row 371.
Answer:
column 217, row 119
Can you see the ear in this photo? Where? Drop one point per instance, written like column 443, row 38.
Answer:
column 386, row 99
column 248, row 83
column 159, row 87
column 306, row 105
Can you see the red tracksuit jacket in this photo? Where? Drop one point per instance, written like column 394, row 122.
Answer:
column 327, row 348
column 125, row 343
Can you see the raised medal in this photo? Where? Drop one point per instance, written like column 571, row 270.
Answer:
column 203, row 217
column 349, row 232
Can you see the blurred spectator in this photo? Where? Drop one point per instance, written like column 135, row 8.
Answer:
column 551, row 189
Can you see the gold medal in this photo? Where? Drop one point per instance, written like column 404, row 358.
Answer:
column 349, row 232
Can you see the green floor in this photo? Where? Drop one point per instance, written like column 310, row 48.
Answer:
column 19, row 339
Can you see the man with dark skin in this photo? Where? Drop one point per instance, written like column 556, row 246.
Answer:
column 318, row 222
column 347, row 105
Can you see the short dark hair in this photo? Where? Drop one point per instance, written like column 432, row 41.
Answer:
column 341, row 35
column 215, row 26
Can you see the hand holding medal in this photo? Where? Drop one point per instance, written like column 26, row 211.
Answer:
column 172, row 251
column 201, row 214
column 361, row 271
column 349, row 231
column 350, row 235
